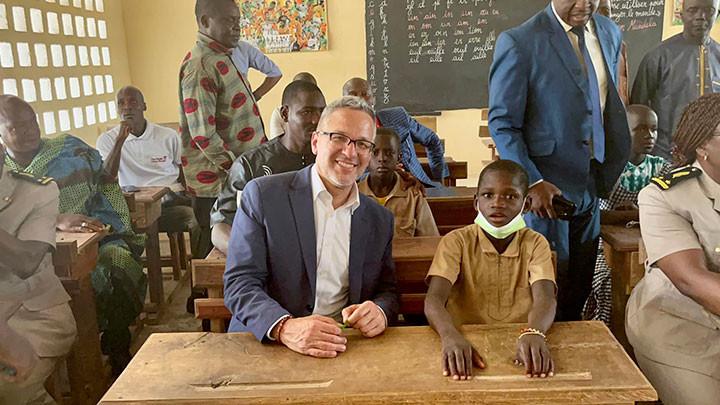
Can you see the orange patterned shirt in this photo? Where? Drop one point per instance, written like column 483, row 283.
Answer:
column 219, row 117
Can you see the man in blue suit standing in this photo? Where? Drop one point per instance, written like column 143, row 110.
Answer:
column 308, row 251
column 410, row 132
column 555, row 109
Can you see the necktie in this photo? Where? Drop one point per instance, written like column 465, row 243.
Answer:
column 598, row 131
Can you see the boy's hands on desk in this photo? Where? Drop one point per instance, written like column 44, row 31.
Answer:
column 533, row 353
column 459, row 356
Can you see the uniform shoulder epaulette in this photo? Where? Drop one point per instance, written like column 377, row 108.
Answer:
column 43, row 181
column 676, row 177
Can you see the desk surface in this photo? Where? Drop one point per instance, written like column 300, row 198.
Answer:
column 450, row 193
column 83, row 240
column 149, row 194
column 401, row 365
column 621, row 238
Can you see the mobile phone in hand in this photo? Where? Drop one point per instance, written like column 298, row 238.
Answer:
column 564, row 208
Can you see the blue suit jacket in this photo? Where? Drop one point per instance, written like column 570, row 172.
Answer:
column 271, row 263
column 540, row 112
column 411, row 132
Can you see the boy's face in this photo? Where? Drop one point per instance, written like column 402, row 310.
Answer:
column 643, row 129
column 499, row 198
column 385, row 155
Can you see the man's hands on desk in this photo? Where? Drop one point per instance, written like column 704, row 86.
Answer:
column 78, row 223
column 321, row 336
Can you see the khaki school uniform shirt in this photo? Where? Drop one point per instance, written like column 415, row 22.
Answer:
column 663, row 324
column 411, row 210
column 488, row 287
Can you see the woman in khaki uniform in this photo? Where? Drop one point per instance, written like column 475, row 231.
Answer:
column 672, row 315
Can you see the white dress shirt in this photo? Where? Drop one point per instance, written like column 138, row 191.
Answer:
column 332, row 234
column 596, row 56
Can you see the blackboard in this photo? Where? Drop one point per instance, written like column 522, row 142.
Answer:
column 431, row 55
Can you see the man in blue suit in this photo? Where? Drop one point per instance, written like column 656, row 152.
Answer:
column 554, row 109
column 410, row 132
column 307, row 250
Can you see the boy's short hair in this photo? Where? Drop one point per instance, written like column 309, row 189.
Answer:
column 508, row 166
column 389, row 132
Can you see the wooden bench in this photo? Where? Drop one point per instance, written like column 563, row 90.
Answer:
column 452, row 207
column 75, row 258
column 412, row 257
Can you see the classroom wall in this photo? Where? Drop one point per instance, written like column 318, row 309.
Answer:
column 113, row 16
column 160, row 32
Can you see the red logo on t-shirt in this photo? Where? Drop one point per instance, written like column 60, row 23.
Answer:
column 158, row 159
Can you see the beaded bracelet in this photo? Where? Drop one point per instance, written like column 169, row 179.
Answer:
column 280, row 327
column 531, row 331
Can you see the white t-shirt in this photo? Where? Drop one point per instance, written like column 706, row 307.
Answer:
column 152, row 159
column 277, row 125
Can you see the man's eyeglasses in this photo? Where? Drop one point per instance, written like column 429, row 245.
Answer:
column 340, row 140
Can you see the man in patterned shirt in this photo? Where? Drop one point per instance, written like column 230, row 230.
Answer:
column 219, row 118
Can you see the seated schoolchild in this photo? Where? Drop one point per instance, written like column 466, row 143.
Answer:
column 383, row 183
column 494, row 271
column 621, row 207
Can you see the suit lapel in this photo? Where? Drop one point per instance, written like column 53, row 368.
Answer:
column 301, row 202
column 560, row 42
column 358, row 241
column 606, row 48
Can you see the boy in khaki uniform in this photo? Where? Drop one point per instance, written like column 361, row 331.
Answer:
column 36, row 324
column 412, row 212
column 494, row 271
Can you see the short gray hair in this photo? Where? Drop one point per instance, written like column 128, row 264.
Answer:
column 350, row 103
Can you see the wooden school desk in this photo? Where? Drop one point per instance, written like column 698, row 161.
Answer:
column 145, row 208
column 402, row 365
column 621, row 247
column 75, row 257
column 458, row 170
column 452, row 207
